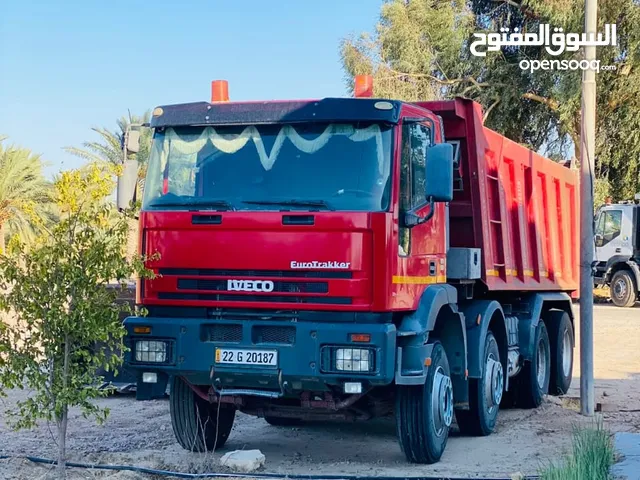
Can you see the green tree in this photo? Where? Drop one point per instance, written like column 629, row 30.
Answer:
column 25, row 194
column 420, row 50
column 58, row 293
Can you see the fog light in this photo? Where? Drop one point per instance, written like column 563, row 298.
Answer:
column 352, row 359
column 151, row 351
column 149, row 377
column 352, row 387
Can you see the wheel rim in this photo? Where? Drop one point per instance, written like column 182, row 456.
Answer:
column 567, row 353
column 442, row 402
column 542, row 365
column 493, row 382
column 620, row 289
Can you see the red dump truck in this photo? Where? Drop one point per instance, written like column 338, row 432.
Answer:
column 349, row 258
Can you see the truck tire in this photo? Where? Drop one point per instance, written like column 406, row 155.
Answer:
column 533, row 382
column 485, row 394
column 424, row 412
column 623, row 289
column 509, row 397
column 197, row 424
column 562, row 341
column 283, row 422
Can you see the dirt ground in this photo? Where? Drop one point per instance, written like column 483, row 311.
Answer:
column 139, row 433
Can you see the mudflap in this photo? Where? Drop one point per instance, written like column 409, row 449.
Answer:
column 152, row 391
column 410, row 367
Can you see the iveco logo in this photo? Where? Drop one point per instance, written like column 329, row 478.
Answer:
column 250, row 285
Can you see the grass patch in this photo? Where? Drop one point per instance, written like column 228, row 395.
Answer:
column 591, row 457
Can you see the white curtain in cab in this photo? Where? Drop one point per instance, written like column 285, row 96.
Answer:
column 233, row 143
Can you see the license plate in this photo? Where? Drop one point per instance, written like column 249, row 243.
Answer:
column 268, row 358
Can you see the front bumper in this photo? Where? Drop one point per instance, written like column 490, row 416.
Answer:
column 304, row 358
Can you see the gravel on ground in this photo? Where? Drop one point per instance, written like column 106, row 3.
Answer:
column 139, row 433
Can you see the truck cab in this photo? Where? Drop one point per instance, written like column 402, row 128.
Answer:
column 349, row 258
column 617, row 251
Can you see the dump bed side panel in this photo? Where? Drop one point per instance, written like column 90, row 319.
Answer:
column 520, row 208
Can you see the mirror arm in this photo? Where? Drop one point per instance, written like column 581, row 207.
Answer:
column 411, row 218
column 432, row 210
column 124, row 145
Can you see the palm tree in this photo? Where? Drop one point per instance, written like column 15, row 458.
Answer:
column 25, row 194
column 109, row 147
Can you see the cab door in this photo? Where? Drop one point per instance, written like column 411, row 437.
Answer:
column 613, row 233
column 422, row 247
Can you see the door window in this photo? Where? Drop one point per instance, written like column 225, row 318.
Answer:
column 415, row 141
column 609, row 225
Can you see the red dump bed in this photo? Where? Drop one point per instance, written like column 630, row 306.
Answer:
column 520, row 208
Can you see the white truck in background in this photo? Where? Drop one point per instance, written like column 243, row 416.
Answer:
column 617, row 251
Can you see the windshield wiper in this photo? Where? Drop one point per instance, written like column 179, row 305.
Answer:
column 195, row 202
column 293, row 202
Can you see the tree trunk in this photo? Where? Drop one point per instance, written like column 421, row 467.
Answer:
column 575, row 133
column 2, row 239
column 62, row 446
column 575, row 161
column 64, row 419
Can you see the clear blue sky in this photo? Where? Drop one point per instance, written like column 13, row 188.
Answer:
column 68, row 65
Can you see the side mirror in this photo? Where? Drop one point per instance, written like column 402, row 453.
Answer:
column 439, row 172
column 132, row 141
column 127, row 183
column 599, row 240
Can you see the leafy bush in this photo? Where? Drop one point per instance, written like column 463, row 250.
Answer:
column 592, row 456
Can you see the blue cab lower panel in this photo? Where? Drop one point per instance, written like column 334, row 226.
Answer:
column 306, row 352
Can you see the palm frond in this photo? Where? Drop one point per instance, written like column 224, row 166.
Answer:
column 79, row 152
column 109, row 145
column 25, row 194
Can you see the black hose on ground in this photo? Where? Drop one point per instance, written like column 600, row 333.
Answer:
column 168, row 473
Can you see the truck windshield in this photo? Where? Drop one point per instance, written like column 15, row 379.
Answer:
column 316, row 166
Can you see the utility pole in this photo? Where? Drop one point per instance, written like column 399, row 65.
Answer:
column 587, row 167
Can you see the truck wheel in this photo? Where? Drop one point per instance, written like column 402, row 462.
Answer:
column 624, row 291
column 197, row 424
column 424, row 412
column 283, row 422
column 485, row 394
column 534, row 378
column 562, row 342
column 509, row 397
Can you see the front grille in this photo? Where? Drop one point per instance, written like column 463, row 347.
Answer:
column 278, row 286
column 222, row 333
column 329, row 274
column 253, row 298
column 274, row 334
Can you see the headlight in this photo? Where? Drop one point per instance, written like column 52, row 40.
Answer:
column 353, row 359
column 151, row 351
